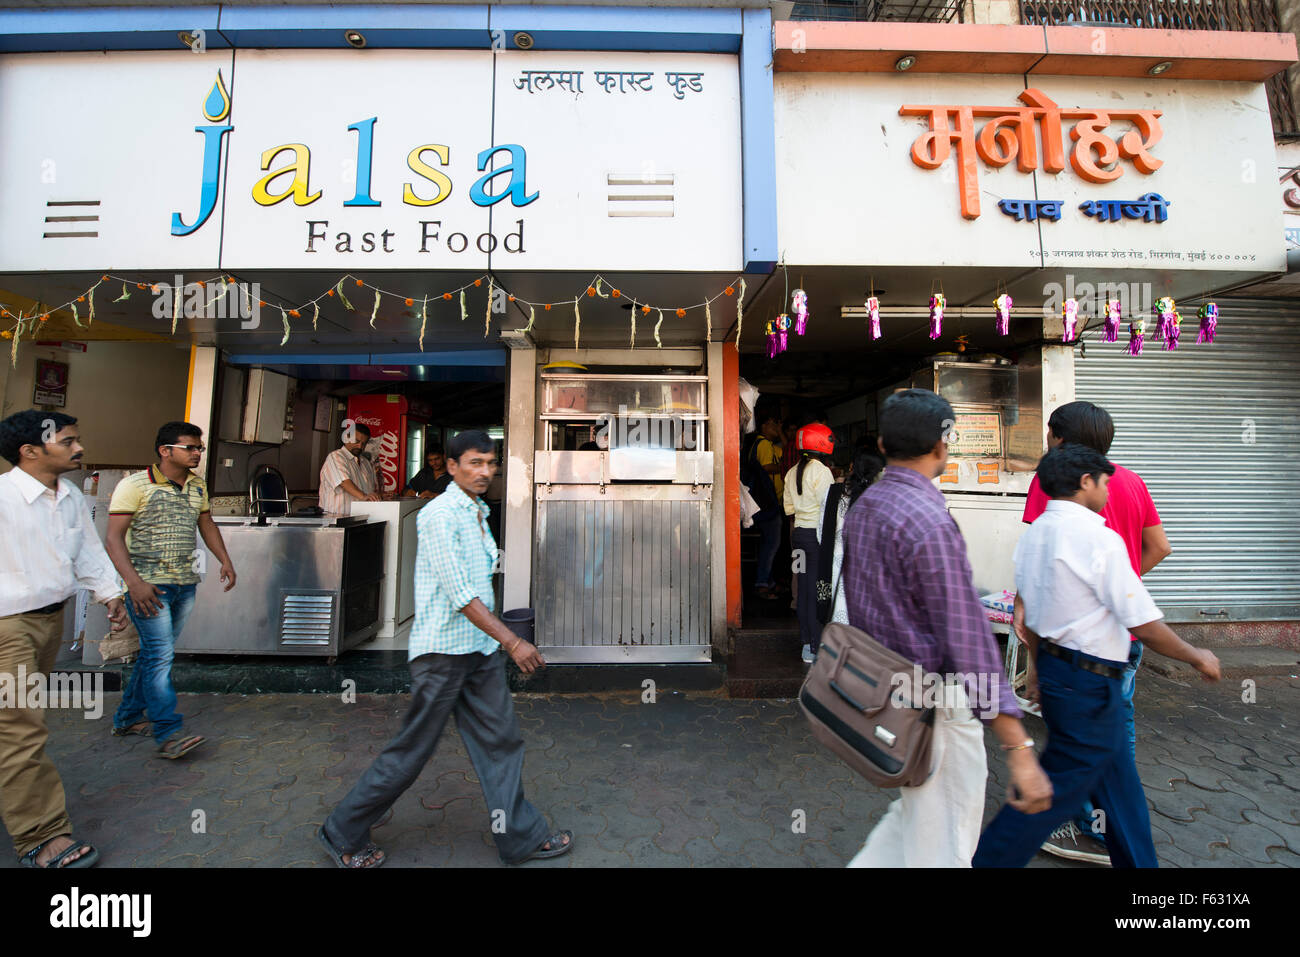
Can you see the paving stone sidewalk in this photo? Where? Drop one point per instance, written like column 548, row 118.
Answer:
column 693, row 780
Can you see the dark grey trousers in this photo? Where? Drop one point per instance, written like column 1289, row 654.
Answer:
column 474, row 686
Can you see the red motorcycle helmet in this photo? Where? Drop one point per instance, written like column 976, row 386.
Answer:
column 815, row 438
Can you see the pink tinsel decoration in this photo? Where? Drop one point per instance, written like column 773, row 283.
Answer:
column 937, row 304
column 1136, row 328
column 1070, row 314
column 1164, row 310
column 1110, row 332
column 1002, row 315
column 799, row 306
column 873, row 316
column 1209, row 315
column 1171, row 331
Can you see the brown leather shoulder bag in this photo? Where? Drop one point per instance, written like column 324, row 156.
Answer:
column 849, row 699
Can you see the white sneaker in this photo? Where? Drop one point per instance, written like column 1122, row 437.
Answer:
column 1069, row 842
column 808, row 655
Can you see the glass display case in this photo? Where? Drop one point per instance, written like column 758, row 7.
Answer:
column 616, row 411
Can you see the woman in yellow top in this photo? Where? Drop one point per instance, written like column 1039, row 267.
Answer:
column 806, row 486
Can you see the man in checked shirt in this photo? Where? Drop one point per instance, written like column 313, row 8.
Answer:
column 908, row 585
column 455, row 667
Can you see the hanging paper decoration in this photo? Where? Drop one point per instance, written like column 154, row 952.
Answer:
column 463, row 314
column 375, row 311
column 487, row 315
column 284, row 319
column 1136, row 329
column 1209, row 316
column 783, row 326
column 91, row 296
column 633, row 338
column 1070, row 317
column 577, row 321
column 125, row 294
column 799, row 306
column 338, row 289
column 532, row 318
column 937, row 305
column 658, row 342
column 1002, row 315
column 1171, row 331
column 315, row 314
column 873, row 316
column 16, row 335
column 740, row 311
column 1165, row 310
column 78, row 321
column 1114, row 311
column 176, row 310
column 424, row 318
column 770, row 330
column 1164, row 313
column 708, row 322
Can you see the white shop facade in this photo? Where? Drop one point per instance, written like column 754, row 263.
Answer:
column 1067, row 193
column 523, row 242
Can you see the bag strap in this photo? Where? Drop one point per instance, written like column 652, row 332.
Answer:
column 844, row 557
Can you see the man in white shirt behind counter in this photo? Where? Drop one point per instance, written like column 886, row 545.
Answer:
column 1083, row 598
column 347, row 476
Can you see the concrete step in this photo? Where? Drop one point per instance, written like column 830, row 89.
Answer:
column 1237, row 663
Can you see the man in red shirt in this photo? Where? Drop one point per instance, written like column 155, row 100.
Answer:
column 1130, row 512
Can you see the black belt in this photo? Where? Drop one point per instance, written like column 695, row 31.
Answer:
column 1080, row 660
column 47, row 610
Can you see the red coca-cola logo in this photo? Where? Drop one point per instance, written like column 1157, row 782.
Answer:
column 388, row 459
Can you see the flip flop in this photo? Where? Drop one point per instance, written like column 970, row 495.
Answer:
column 56, row 863
column 359, row 859
column 176, row 746
column 557, row 847
column 140, row 727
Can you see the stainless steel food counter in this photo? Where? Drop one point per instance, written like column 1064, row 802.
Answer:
column 307, row 586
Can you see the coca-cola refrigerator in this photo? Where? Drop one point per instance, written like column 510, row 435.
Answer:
column 396, row 436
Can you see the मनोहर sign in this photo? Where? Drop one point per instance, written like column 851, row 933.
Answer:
column 1010, row 135
column 291, row 180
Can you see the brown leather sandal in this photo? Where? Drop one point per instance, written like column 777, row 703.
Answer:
column 178, row 745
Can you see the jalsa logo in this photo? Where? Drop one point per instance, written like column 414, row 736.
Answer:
column 216, row 109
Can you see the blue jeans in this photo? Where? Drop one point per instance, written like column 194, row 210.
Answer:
column 1087, row 755
column 149, row 689
column 1128, row 686
column 769, row 542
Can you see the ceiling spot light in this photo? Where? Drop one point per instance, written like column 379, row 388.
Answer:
column 354, row 38
column 905, row 63
column 524, row 41
column 1160, row 67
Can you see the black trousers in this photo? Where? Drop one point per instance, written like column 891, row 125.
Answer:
column 474, row 687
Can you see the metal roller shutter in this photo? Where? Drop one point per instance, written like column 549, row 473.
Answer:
column 1214, row 431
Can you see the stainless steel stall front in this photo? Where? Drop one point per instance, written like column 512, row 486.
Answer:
column 307, row 586
column 622, row 570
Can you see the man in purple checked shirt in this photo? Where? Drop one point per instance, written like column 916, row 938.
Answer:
column 908, row 584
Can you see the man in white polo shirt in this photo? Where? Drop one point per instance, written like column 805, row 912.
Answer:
column 1082, row 597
